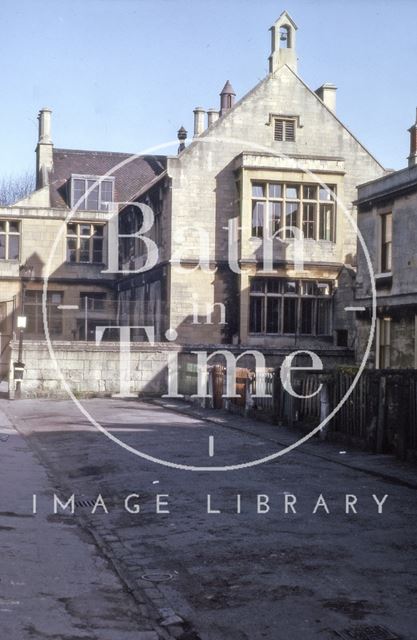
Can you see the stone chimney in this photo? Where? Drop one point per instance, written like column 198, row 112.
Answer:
column 283, row 49
column 212, row 116
column 227, row 98
column 199, row 121
column 327, row 93
column 44, row 149
column 412, row 158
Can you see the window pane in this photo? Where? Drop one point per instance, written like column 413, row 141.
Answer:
column 14, row 226
column 256, row 314
column 33, row 296
column 258, row 219
column 85, row 230
column 307, row 306
column 386, row 246
column 310, row 192
column 292, row 192
column 258, row 190
column 309, row 220
column 78, row 192
column 273, row 307
column 106, row 193
column 275, row 212
column 84, row 250
column 275, row 190
column 309, row 288
column 323, row 289
column 71, row 229
column 326, row 227
column 92, row 197
column 97, row 250
column 2, row 247
column 291, row 218
column 291, row 286
column 290, row 315
column 274, row 285
column 55, row 298
column 98, row 230
column 323, row 317
column 325, row 193
column 13, row 247
column 71, row 250
column 2, row 226
column 257, row 285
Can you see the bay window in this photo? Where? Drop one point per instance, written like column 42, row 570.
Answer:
column 308, row 207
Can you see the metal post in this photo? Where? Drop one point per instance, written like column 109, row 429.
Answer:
column 85, row 318
column 20, row 354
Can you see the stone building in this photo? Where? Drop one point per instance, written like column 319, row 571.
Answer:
column 252, row 221
column 278, row 162
column 60, row 231
column 387, row 219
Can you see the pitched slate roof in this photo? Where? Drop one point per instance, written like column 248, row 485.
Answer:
column 131, row 177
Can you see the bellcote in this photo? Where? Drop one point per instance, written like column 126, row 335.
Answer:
column 283, row 50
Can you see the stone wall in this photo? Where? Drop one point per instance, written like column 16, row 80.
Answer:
column 90, row 370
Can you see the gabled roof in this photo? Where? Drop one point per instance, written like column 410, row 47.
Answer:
column 284, row 17
column 131, row 173
column 209, row 131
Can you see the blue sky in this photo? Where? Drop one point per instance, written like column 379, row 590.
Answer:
column 123, row 75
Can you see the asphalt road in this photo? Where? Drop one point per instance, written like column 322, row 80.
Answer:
column 247, row 570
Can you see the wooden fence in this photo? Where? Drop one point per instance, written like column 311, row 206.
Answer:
column 378, row 413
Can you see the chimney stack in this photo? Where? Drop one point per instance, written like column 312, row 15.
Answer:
column 227, row 98
column 327, row 93
column 412, row 158
column 44, row 149
column 212, row 116
column 199, row 117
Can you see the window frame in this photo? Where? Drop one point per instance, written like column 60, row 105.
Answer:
column 383, row 343
column 284, row 128
column 283, row 293
column 7, row 234
column 294, row 206
column 99, row 179
column 385, row 243
column 78, row 237
column 35, row 305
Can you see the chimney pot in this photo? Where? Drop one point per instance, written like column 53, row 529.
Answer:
column 44, row 118
column 212, row 116
column 227, row 98
column 199, row 117
column 44, row 149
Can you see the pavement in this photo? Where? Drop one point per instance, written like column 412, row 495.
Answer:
column 54, row 583
column 245, row 569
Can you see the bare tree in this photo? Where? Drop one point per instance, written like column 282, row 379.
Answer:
column 16, row 187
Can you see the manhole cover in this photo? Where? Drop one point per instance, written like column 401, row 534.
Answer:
column 365, row 632
column 157, row 577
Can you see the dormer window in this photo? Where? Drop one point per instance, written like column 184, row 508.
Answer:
column 284, row 129
column 89, row 193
